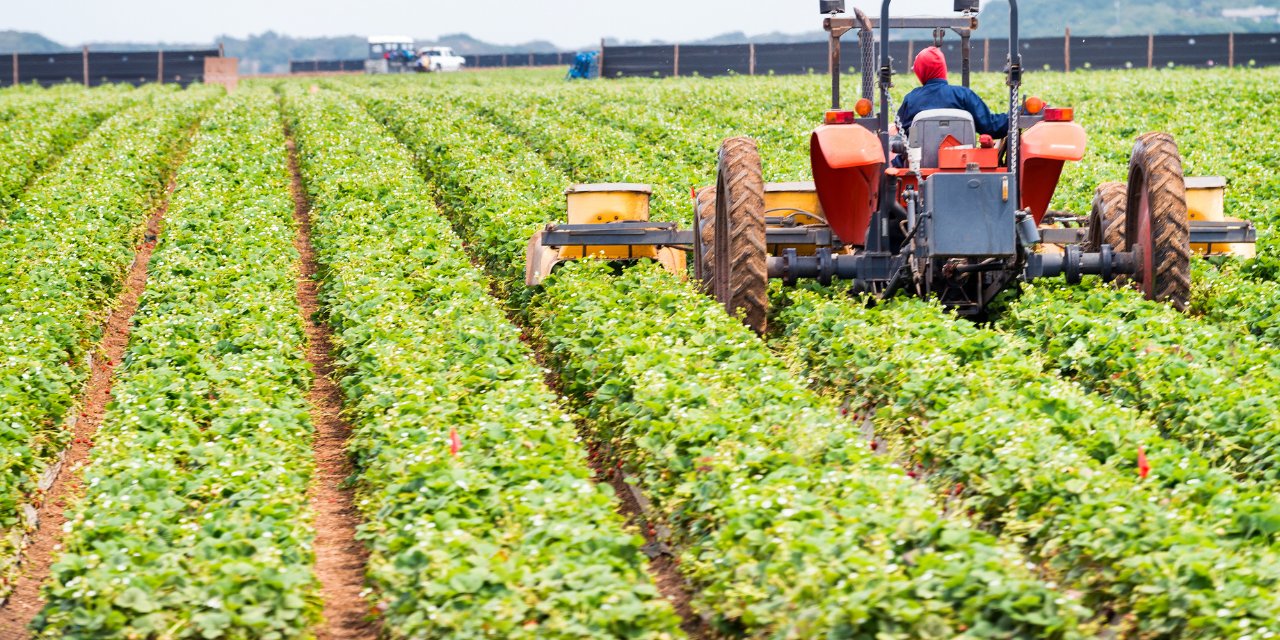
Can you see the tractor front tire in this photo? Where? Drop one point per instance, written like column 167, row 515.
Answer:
column 1106, row 217
column 736, row 254
column 1156, row 220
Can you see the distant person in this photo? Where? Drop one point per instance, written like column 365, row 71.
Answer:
column 935, row 93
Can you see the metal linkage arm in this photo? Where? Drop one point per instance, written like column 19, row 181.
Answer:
column 1202, row 232
column 628, row 233
column 1222, row 232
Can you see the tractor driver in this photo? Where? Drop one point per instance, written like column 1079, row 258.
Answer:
column 934, row 93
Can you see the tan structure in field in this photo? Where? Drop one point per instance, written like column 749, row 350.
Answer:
column 223, row 71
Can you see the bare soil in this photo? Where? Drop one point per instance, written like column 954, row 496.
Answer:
column 25, row 601
column 340, row 558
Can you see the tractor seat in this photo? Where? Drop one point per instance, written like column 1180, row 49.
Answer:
column 931, row 126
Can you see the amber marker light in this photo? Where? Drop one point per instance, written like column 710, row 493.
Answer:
column 863, row 107
column 1033, row 105
column 1060, row 114
column 840, row 116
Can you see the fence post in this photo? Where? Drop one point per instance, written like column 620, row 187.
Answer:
column 751, row 58
column 15, row 69
column 504, row 60
column 222, row 50
column 1066, row 52
column 675, row 62
column 986, row 55
column 1151, row 49
column 531, row 58
column 911, row 52
column 1231, row 50
column 160, row 67
column 84, row 60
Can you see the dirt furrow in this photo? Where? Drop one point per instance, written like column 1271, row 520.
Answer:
column 25, row 601
column 340, row 558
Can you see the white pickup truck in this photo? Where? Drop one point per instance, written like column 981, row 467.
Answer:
column 439, row 59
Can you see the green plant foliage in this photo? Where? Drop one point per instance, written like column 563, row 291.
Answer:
column 1091, row 465
column 195, row 520
column 67, row 244
column 37, row 128
column 1228, row 297
column 785, row 521
column 1202, row 383
column 1050, row 465
column 508, row 536
column 472, row 167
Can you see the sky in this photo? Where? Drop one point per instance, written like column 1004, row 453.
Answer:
column 567, row 23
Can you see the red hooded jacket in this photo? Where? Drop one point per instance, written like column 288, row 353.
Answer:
column 930, row 65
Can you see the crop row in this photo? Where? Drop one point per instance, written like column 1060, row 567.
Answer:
column 1209, row 385
column 1147, row 530
column 39, row 127
column 1231, row 298
column 784, row 519
column 686, row 120
column 591, row 142
column 66, row 247
column 498, row 219
column 481, row 515
column 588, row 151
column 195, row 520
column 783, row 525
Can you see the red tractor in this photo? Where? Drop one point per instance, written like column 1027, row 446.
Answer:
column 959, row 222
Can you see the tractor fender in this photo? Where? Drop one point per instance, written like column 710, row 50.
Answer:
column 1046, row 146
column 1054, row 141
column 848, row 161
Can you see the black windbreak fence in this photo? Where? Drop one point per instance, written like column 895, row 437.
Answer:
column 496, row 60
column 95, row 68
column 1055, row 54
column 325, row 66
column 485, row 61
column 1059, row 54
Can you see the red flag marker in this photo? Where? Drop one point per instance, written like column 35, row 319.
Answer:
column 455, row 442
column 1144, row 467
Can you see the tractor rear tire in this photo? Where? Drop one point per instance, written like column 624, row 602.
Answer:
column 1106, row 217
column 704, row 234
column 737, row 253
column 1156, row 220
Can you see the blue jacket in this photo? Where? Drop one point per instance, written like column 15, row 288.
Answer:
column 937, row 94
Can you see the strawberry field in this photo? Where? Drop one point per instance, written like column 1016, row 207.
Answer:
column 609, row 454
